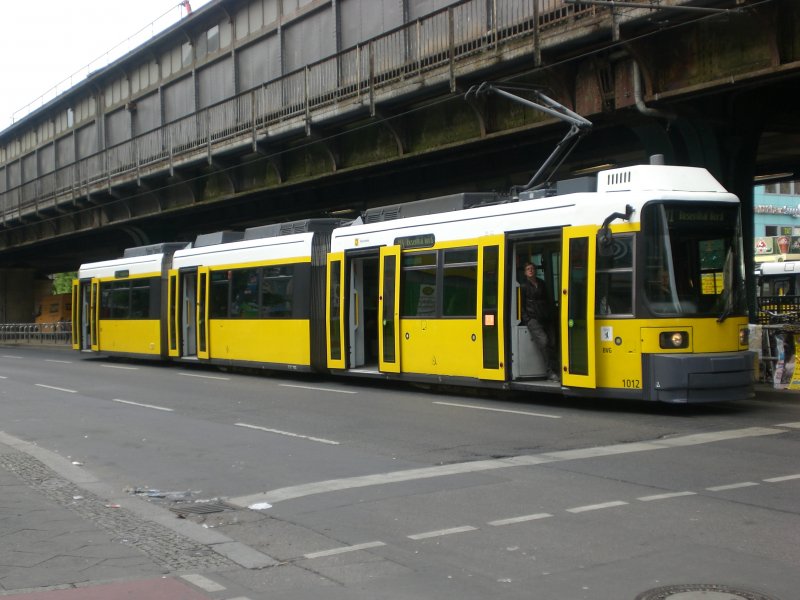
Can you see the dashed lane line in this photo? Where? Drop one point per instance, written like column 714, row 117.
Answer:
column 500, row 410
column 665, row 496
column 348, row 483
column 63, row 362
column 288, row 434
column 441, row 532
column 601, row 506
column 344, row 549
column 153, row 406
column 52, row 387
column 731, row 486
column 527, row 518
column 204, row 376
column 120, row 367
column 520, row 519
column 10, row 356
column 317, row 389
column 783, row 478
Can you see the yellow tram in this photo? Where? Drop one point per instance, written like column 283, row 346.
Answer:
column 643, row 263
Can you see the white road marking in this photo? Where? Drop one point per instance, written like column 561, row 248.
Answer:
column 784, row 478
column 501, row 410
column 120, row 367
column 63, row 362
column 203, row 583
column 9, row 356
column 331, row 485
column 318, row 389
column 52, row 387
column 143, row 405
column 441, row 532
column 522, row 519
column 732, row 486
column 666, row 496
column 3, row 377
column 288, row 433
column 344, row 549
column 204, row 376
column 789, row 425
column 588, row 507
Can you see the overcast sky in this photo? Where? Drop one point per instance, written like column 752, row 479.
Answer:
column 46, row 45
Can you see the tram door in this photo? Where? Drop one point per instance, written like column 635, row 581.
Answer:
column 363, row 312
column 187, row 317
column 577, row 293
column 545, row 253
column 82, row 320
column 389, row 310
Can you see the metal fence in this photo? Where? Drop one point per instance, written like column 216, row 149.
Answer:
column 776, row 310
column 36, row 333
column 404, row 56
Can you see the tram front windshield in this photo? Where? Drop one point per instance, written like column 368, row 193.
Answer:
column 693, row 263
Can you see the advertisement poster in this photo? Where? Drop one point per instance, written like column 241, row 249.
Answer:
column 795, row 378
column 784, row 377
column 764, row 245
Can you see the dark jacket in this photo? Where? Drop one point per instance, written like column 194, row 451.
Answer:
column 536, row 303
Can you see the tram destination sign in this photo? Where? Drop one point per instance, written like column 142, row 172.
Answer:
column 700, row 216
column 425, row 240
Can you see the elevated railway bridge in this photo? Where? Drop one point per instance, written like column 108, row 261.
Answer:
column 256, row 111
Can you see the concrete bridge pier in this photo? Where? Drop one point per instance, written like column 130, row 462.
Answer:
column 17, row 287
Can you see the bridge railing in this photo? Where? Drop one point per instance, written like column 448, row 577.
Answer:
column 402, row 56
column 36, row 333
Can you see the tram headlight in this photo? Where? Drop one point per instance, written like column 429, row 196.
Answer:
column 671, row 340
column 744, row 336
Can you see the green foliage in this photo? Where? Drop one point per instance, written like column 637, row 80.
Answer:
column 62, row 282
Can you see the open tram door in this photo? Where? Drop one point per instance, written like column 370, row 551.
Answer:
column 577, row 307
column 183, row 313
column 85, row 296
column 362, row 310
column 542, row 249
column 389, row 310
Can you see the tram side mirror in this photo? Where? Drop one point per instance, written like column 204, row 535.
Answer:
column 605, row 243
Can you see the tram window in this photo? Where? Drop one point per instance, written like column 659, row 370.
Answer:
column 119, row 300
column 219, row 295
column 614, row 277
column 460, row 283
column 244, row 292
column 418, row 284
column 276, row 292
column 140, row 300
column 132, row 299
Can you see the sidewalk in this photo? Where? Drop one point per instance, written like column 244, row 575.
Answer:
column 63, row 542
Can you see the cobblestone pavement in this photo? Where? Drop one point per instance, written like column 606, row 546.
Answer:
column 57, row 536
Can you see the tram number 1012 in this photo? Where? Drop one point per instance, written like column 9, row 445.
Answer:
column 632, row 383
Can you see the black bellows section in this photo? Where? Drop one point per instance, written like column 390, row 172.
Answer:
column 320, row 246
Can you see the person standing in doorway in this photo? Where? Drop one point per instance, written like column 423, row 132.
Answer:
column 537, row 316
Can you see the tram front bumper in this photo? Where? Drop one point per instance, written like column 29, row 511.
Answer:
column 689, row 378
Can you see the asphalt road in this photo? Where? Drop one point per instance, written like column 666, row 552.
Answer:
column 374, row 491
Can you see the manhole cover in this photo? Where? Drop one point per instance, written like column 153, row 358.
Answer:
column 702, row 591
column 204, row 508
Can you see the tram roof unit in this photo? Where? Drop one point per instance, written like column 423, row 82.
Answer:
column 616, row 188
column 245, row 251
column 148, row 264
column 277, row 241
